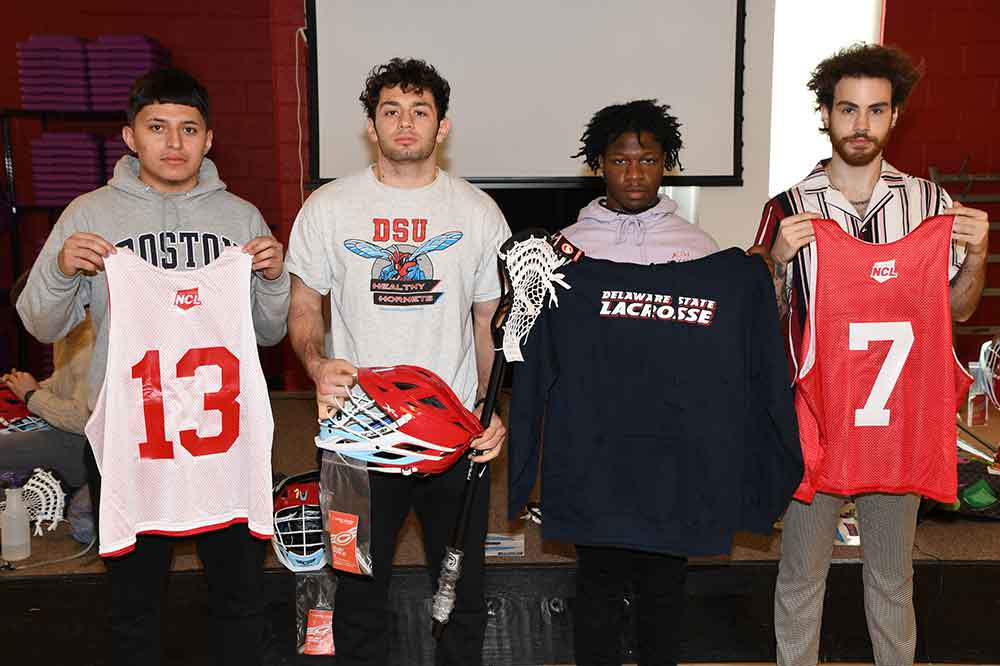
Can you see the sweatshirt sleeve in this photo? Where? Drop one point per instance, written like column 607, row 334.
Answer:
column 532, row 380
column 269, row 298
column 773, row 456
column 51, row 303
column 487, row 281
column 62, row 398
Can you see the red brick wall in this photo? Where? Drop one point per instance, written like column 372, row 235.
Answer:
column 227, row 44
column 286, row 16
column 954, row 113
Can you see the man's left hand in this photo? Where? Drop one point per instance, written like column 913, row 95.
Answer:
column 268, row 256
column 490, row 442
column 971, row 228
column 20, row 383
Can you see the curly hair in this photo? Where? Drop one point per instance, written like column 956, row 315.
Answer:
column 869, row 61
column 411, row 75
column 641, row 115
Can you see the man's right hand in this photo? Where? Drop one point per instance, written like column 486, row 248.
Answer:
column 83, row 251
column 334, row 378
column 794, row 233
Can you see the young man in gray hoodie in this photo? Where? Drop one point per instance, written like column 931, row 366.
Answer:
column 169, row 206
column 632, row 145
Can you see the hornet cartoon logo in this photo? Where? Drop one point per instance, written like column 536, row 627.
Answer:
column 403, row 274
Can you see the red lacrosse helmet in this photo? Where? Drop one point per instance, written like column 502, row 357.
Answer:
column 401, row 418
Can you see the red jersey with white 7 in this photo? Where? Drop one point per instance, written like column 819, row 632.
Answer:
column 878, row 382
column 182, row 428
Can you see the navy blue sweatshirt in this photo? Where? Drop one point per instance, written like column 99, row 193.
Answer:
column 668, row 418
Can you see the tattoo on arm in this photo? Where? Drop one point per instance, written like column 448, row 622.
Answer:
column 781, row 297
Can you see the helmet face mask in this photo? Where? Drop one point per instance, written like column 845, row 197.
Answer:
column 299, row 539
column 400, row 419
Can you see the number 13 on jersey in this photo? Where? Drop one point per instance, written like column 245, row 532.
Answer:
column 900, row 333
column 147, row 370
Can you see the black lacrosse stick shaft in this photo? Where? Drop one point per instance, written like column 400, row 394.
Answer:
column 451, row 567
column 451, row 564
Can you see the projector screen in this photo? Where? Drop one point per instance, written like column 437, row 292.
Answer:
column 527, row 75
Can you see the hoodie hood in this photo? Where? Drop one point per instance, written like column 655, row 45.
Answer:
column 126, row 180
column 655, row 235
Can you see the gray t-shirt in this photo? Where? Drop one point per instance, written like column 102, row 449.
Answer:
column 403, row 268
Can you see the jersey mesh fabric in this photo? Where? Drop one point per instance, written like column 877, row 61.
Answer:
column 879, row 383
column 182, row 427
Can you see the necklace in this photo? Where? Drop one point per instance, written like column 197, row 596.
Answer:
column 863, row 202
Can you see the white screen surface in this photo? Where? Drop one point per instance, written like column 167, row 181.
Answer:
column 526, row 76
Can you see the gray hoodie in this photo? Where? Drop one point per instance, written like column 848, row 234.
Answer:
column 172, row 231
column 654, row 236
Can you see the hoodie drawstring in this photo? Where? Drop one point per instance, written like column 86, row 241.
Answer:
column 630, row 224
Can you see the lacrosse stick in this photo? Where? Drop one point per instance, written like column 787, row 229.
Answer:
column 989, row 370
column 528, row 263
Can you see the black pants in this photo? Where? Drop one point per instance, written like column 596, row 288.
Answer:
column 657, row 582
column 233, row 560
column 362, row 618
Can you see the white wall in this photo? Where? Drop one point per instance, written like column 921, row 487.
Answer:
column 796, row 143
column 527, row 75
column 731, row 214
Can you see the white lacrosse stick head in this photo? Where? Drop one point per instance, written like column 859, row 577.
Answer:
column 44, row 499
column 531, row 266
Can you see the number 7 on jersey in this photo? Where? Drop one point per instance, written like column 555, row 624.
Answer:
column 900, row 333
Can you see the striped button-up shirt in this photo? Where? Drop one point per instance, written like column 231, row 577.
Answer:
column 899, row 203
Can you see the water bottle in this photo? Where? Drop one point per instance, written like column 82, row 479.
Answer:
column 15, row 531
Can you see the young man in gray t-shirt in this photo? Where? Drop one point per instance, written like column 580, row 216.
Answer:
column 403, row 219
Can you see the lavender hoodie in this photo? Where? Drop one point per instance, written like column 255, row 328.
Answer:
column 654, row 236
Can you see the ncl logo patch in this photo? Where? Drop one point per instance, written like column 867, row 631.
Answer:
column 187, row 298
column 883, row 271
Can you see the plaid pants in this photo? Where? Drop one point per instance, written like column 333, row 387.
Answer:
column 887, row 524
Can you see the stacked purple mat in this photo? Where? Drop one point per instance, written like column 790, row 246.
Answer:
column 64, row 165
column 115, row 62
column 114, row 149
column 53, row 73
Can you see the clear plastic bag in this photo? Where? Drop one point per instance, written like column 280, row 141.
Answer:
column 314, row 598
column 345, row 500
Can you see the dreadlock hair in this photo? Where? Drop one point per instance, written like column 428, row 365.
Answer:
column 167, row 86
column 641, row 115
column 409, row 74
column 867, row 61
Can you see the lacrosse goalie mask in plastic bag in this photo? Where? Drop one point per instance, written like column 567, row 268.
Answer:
column 401, row 419
column 298, row 539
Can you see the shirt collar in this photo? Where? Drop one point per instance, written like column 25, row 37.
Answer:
column 818, row 180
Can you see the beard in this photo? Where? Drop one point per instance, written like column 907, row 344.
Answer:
column 417, row 152
column 854, row 157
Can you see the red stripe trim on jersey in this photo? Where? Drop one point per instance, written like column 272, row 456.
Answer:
column 120, row 552
column 196, row 530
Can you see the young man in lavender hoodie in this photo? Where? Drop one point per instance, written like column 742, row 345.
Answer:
column 632, row 145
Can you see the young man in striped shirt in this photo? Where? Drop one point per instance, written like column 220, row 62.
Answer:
column 859, row 93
